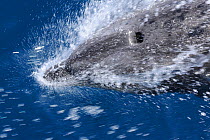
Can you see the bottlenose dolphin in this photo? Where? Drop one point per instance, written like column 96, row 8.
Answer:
column 160, row 49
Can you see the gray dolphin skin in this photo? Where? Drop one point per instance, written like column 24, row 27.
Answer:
column 164, row 48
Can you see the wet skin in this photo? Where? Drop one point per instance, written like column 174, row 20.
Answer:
column 139, row 44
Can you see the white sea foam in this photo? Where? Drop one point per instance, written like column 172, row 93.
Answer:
column 114, row 127
column 92, row 110
column 74, row 113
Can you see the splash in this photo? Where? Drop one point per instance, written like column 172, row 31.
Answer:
column 94, row 21
column 59, row 39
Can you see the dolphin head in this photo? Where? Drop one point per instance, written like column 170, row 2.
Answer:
column 148, row 47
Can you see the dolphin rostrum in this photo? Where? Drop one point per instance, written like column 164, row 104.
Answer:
column 161, row 49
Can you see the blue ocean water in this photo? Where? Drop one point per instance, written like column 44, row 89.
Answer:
column 29, row 110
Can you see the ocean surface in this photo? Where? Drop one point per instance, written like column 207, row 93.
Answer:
column 39, row 33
